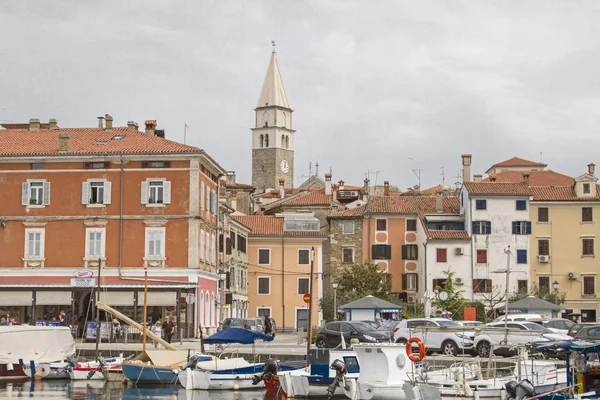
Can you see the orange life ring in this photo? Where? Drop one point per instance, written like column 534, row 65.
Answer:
column 413, row 357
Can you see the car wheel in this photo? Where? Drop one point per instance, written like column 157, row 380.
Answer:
column 321, row 343
column 449, row 348
column 401, row 340
column 483, row 349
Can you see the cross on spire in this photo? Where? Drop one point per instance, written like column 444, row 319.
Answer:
column 273, row 44
column 317, row 167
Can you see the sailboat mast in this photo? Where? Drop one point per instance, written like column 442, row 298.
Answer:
column 145, row 306
column 98, row 311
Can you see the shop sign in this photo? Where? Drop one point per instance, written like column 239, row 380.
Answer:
column 83, row 282
column 83, row 273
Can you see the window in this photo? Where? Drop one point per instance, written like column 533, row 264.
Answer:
column 410, row 252
column 481, row 256
column 442, row 255
column 34, row 243
column 35, row 193
column 347, row 255
column 97, row 165
column 348, row 227
column 588, row 315
column 241, row 243
column 214, row 202
column 303, row 257
column 155, row 191
column 155, row 242
column 521, row 205
column 543, row 247
column 37, row 165
column 543, row 214
column 439, row 283
column 207, row 256
column 544, row 283
column 410, row 282
column 482, row 227
column 589, row 285
column 95, row 192
column 521, row 228
column 202, row 244
column 521, row 256
column 94, row 243
column 301, row 225
column 303, row 285
column 232, row 239
column 482, row 285
column 207, row 198
column 264, row 256
column 588, row 247
column 202, row 196
column 411, row 225
column 382, row 224
column 522, row 286
column 587, row 214
column 381, row 252
column 481, row 204
column 213, row 245
column 586, row 188
column 264, row 285
column 156, row 164
column 267, row 140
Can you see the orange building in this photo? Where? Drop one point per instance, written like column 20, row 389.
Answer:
column 74, row 198
column 281, row 249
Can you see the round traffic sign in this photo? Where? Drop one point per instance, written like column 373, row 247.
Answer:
column 306, row 298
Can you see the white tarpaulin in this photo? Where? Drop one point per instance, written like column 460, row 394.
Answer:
column 158, row 298
column 8, row 298
column 38, row 343
column 117, row 298
column 50, row 298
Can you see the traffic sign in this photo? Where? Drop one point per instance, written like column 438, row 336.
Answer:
column 306, row 298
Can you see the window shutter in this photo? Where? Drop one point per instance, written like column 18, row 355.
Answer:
column 488, row 225
column 25, row 193
column 475, row 288
column 220, row 242
column 85, row 193
column 416, row 282
column 207, row 198
column 514, row 227
column 107, row 192
column 388, row 252
column 474, row 227
column 228, row 243
column 488, row 285
column 144, row 195
column 214, row 195
column 404, row 282
column 374, row 252
column 404, row 252
column 167, row 193
column 202, row 196
column 528, row 228
column 228, row 280
column 46, row 193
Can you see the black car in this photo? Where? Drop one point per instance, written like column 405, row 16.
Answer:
column 589, row 333
column 331, row 334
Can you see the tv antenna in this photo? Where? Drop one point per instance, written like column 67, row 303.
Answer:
column 417, row 173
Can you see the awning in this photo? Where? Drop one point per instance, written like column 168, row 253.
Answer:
column 21, row 298
column 158, row 298
column 117, row 298
column 50, row 298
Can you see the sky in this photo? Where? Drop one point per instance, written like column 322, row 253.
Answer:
column 386, row 87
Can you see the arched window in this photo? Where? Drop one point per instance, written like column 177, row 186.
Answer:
column 282, row 141
column 267, row 140
column 287, row 142
column 262, row 140
column 214, row 311
column 207, row 310
column 201, row 317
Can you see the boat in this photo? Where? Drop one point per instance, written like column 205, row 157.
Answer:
column 56, row 370
column 32, row 345
column 156, row 366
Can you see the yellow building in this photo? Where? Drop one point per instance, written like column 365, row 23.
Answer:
column 280, row 250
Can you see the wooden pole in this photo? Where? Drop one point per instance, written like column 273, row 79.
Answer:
column 145, row 308
column 98, row 312
column 310, row 300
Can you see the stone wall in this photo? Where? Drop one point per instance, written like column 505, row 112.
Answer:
column 339, row 240
column 266, row 168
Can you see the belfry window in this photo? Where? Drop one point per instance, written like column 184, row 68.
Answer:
column 266, row 140
column 262, row 141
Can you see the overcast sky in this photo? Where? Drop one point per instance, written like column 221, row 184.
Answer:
column 381, row 86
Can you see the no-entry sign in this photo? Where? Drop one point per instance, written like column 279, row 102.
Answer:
column 306, row 298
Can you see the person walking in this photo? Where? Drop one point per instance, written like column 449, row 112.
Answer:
column 156, row 329
column 268, row 325
column 167, row 328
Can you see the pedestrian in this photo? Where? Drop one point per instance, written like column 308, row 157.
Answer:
column 116, row 328
column 156, row 329
column 268, row 325
column 3, row 322
column 167, row 328
column 63, row 318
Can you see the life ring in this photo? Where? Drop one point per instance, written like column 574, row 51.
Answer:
column 413, row 357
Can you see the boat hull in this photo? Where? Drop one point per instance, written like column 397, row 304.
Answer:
column 138, row 373
column 49, row 371
column 16, row 372
column 113, row 374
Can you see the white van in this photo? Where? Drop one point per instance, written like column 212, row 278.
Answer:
column 520, row 317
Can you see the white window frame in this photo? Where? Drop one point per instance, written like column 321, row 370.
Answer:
column 298, row 285
column 86, row 192
column 258, row 278
column 258, row 256
column 298, row 259
column 265, row 308
column 147, row 188
column 42, row 233
column 26, row 193
column 160, row 256
column 202, row 196
column 353, row 255
column 102, row 232
column 207, row 198
column 583, row 276
column 411, row 281
column 593, row 246
column 521, row 227
column 344, row 227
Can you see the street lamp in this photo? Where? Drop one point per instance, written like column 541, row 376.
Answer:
column 556, row 285
column 222, row 278
column 335, row 286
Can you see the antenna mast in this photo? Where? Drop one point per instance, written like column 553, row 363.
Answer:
column 417, row 173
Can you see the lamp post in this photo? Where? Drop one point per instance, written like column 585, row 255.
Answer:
column 556, row 285
column 222, row 278
column 335, row 287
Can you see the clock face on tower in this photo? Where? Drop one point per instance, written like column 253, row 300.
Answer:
column 285, row 167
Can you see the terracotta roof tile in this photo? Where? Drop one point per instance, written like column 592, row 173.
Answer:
column 411, row 205
column 308, row 198
column 498, row 188
column 448, row 235
column 560, row 193
column 536, row 178
column 264, row 225
column 352, row 213
column 518, row 162
column 22, row 142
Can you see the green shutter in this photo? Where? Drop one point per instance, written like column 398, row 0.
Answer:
column 404, row 252
column 388, row 252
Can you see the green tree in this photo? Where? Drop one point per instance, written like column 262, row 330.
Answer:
column 542, row 293
column 456, row 302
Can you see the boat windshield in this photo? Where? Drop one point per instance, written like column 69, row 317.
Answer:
column 448, row 323
column 535, row 327
column 363, row 327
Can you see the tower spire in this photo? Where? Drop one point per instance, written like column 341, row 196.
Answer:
column 273, row 91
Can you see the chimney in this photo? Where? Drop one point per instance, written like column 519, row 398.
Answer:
column 341, row 185
column 439, row 203
column 109, row 122
column 328, row 184
column 34, row 124
column 591, row 168
column 63, row 142
column 230, row 178
column 366, row 189
column 132, row 125
column 53, row 124
column 101, row 122
column 150, row 126
column 526, row 178
column 477, row 177
column 466, row 162
column 281, row 188
column 234, row 200
column 492, row 179
column 386, row 188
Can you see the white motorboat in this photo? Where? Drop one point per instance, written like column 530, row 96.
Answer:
column 55, row 370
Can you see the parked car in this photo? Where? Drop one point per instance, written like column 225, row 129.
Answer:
column 260, row 325
column 557, row 325
column 331, row 334
column 235, row 323
column 450, row 338
column 579, row 326
column 520, row 317
column 589, row 333
column 470, row 323
column 519, row 332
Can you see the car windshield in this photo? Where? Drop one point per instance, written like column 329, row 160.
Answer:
column 363, row 327
column 252, row 322
column 531, row 326
column 447, row 323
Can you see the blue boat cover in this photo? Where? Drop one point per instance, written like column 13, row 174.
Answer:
column 236, row 335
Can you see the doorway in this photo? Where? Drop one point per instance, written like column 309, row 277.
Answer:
column 302, row 318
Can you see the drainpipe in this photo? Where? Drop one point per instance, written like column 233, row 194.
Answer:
column 282, row 285
column 473, row 251
column 425, row 297
column 368, row 239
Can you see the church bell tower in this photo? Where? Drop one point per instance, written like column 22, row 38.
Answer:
column 272, row 136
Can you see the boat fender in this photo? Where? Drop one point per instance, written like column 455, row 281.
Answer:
column 414, row 357
column 468, row 390
column 10, row 367
column 475, row 394
column 400, row 361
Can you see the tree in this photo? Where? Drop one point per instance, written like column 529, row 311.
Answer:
column 493, row 298
column 541, row 293
column 456, row 302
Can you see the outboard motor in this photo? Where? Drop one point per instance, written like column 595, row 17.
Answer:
column 511, row 390
column 192, row 362
column 525, row 390
column 340, row 373
column 269, row 372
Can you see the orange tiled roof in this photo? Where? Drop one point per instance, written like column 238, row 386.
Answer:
column 22, row 142
column 498, row 188
column 265, row 225
column 536, row 178
column 455, row 235
column 351, row 213
column 236, row 185
column 308, row 198
column 411, row 205
column 560, row 193
column 288, row 192
column 518, row 162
